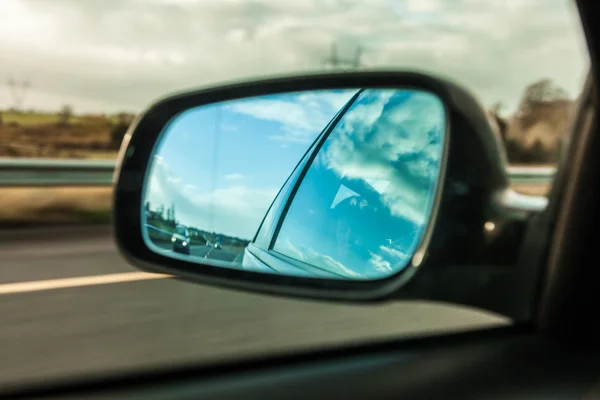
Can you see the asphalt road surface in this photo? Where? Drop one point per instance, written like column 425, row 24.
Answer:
column 202, row 252
column 70, row 306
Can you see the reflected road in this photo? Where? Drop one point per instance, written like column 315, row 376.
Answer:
column 202, row 252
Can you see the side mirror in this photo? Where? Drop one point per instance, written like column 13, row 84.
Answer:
column 349, row 186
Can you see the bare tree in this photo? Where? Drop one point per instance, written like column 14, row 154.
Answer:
column 539, row 94
column 18, row 91
column 65, row 114
column 537, row 130
column 335, row 61
column 502, row 124
column 124, row 118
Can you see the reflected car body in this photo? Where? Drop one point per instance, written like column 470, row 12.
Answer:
column 181, row 240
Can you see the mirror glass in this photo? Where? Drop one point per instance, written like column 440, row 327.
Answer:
column 332, row 184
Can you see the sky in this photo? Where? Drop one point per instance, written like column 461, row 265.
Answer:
column 366, row 200
column 222, row 165
column 121, row 55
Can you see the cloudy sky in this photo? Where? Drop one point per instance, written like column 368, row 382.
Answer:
column 364, row 203
column 221, row 166
column 109, row 55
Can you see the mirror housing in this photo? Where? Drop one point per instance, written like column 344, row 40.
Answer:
column 474, row 234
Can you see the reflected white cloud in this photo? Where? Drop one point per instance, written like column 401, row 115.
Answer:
column 311, row 257
column 235, row 210
column 234, row 177
column 365, row 201
column 399, row 149
column 379, row 263
column 387, row 258
column 301, row 116
column 394, row 252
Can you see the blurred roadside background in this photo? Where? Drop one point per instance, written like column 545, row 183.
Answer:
column 535, row 136
column 73, row 75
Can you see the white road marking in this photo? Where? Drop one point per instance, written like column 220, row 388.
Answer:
column 34, row 286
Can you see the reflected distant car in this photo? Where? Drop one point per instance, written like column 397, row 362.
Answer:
column 218, row 246
column 181, row 240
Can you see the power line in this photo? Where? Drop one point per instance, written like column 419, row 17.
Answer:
column 18, row 91
column 216, row 140
column 335, row 61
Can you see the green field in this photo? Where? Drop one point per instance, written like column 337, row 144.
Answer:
column 38, row 118
column 48, row 135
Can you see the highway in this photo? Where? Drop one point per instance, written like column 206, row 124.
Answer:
column 116, row 319
column 202, row 252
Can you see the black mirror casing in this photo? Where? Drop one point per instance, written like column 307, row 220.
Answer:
column 471, row 192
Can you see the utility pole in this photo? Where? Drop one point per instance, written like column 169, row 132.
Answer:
column 215, row 166
column 18, row 90
column 335, row 61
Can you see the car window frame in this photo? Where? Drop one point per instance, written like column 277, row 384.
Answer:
column 263, row 251
column 282, row 257
column 266, row 255
column 288, row 191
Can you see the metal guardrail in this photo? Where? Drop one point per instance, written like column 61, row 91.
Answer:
column 531, row 175
column 44, row 172
column 50, row 172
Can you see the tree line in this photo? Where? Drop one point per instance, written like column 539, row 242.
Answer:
column 537, row 132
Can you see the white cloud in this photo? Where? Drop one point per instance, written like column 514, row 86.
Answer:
column 422, row 6
column 311, row 257
column 394, row 252
column 234, row 177
column 400, row 148
column 301, row 116
column 389, row 260
column 237, row 35
column 234, row 210
column 379, row 263
column 19, row 25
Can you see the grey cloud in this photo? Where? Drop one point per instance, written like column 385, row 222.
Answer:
column 127, row 53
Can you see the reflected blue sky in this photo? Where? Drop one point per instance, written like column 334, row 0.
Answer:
column 222, row 165
column 364, row 204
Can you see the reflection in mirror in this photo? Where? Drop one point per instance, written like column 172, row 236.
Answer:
column 217, row 168
column 359, row 212
column 365, row 201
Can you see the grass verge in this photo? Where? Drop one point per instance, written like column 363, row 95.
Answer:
column 55, row 205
